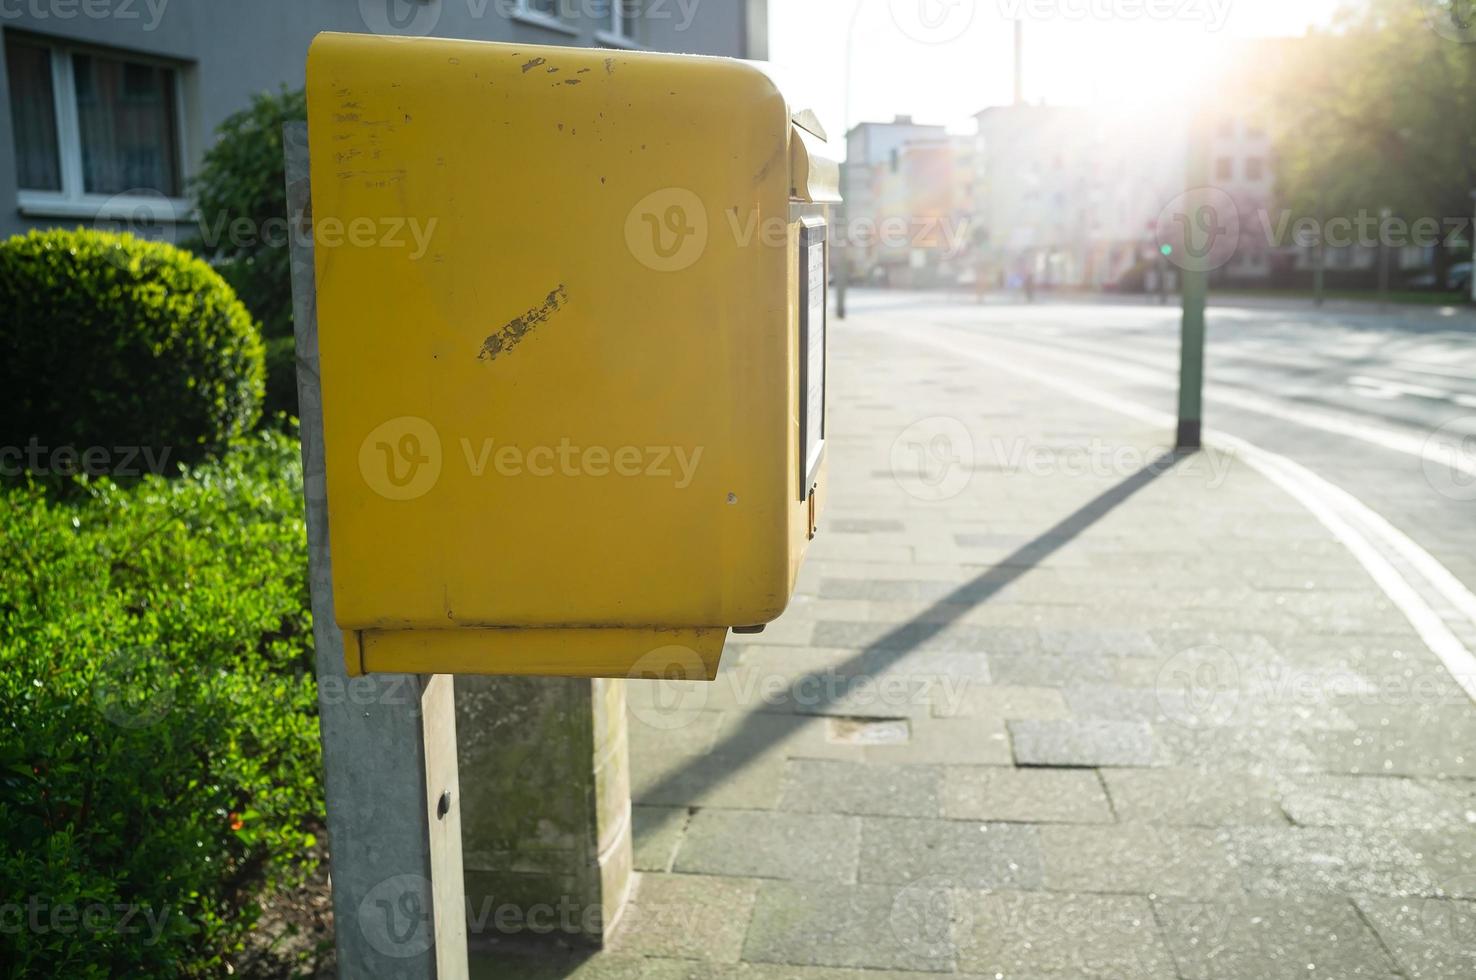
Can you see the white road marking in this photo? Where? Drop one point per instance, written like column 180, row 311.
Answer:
column 1339, row 512
column 1429, row 448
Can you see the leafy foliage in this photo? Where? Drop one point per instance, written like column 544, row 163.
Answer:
column 242, row 198
column 1379, row 111
column 159, row 756
column 112, row 341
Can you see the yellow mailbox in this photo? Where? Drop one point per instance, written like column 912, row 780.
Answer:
column 572, row 330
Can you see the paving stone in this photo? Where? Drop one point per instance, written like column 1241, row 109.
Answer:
column 789, row 735
column 964, row 854
column 1024, row 795
column 1192, row 797
column 655, row 831
column 1051, row 670
column 1403, row 751
column 1021, row 934
column 1109, row 641
column 824, row 786
column 1260, row 939
column 1084, row 742
column 1002, row 701
column 1138, row 858
column 699, row 917
column 543, row 962
column 1371, row 801
column 817, row 924
column 1430, row 938
column 957, row 741
column 925, row 636
column 1295, row 861
column 864, row 525
column 737, row 780
column 771, row 844
column 1446, row 857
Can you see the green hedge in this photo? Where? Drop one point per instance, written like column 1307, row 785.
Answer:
column 159, row 752
column 115, row 344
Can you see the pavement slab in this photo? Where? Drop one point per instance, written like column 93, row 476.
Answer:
column 1025, row 719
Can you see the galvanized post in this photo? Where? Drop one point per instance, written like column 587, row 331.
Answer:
column 389, row 740
column 1384, row 215
column 840, row 249
column 1195, row 285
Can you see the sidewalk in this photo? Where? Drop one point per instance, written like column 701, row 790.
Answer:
column 1047, row 708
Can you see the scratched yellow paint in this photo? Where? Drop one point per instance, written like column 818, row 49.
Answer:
column 558, row 302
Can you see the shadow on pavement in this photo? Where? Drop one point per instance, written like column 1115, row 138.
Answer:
column 747, row 742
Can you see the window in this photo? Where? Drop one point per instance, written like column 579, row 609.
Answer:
column 94, row 131
column 1255, row 168
column 617, row 20
column 1224, row 169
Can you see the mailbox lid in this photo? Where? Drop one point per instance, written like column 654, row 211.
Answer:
column 557, row 341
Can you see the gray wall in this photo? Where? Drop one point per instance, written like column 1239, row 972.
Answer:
column 230, row 49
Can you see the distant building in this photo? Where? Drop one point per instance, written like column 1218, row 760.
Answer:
column 109, row 105
column 876, row 177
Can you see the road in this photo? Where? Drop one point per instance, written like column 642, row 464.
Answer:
column 1382, row 405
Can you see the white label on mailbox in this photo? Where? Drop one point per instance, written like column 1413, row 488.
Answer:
column 812, row 350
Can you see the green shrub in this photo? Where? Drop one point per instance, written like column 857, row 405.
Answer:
column 242, row 198
column 159, row 755
column 113, row 342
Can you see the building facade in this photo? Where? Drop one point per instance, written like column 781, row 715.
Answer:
column 109, row 105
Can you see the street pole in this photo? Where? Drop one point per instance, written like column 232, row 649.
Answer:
column 842, row 253
column 390, row 781
column 1195, row 285
column 1472, row 236
column 1319, row 258
column 1383, row 260
column 840, row 241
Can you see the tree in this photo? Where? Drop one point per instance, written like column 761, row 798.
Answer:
column 1380, row 111
column 242, row 199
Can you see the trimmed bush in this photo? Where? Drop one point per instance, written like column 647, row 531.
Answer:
column 121, row 344
column 159, row 757
column 242, row 198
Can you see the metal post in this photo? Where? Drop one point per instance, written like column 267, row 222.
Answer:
column 1319, row 268
column 841, row 253
column 1383, row 259
column 1194, row 280
column 389, row 740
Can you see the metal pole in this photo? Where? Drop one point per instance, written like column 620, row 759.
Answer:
column 843, row 253
column 389, row 740
column 841, row 236
column 1383, row 260
column 1195, row 285
column 1472, row 236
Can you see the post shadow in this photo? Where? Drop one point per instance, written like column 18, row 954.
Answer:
column 739, row 748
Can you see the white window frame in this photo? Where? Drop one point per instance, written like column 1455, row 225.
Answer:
column 526, row 14
column 72, row 201
column 615, row 36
